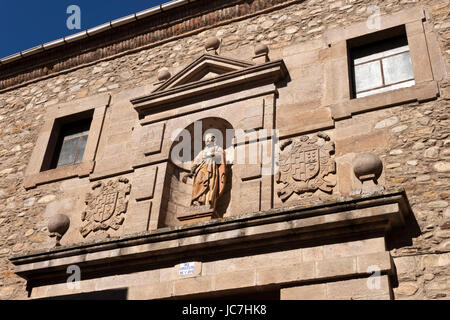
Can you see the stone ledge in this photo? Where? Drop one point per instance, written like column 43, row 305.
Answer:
column 77, row 170
column 420, row 92
column 301, row 223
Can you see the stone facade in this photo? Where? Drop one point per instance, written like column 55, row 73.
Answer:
column 324, row 238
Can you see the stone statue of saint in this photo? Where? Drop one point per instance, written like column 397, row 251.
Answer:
column 208, row 172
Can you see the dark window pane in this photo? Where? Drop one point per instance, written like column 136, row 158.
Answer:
column 68, row 141
column 81, row 149
column 378, row 47
column 70, row 135
column 68, row 152
column 73, row 138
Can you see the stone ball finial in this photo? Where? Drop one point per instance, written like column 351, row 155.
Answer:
column 261, row 49
column 367, row 166
column 164, row 74
column 58, row 226
column 212, row 44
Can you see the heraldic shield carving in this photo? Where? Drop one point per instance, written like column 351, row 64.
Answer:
column 305, row 164
column 106, row 206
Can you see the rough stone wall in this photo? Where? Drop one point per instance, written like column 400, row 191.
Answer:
column 417, row 157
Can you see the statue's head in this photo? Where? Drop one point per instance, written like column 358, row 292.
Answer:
column 210, row 139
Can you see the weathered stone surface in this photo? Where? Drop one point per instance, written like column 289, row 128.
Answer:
column 410, row 138
column 407, row 288
column 396, row 152
column 423, row 178
column 386, row 123
column 311, row 292
column 432, row 152
column 29, row 202
column 438, row 204
column 399, row 128
column 447, row 212
column 367, row 166
column 444, row 234
column 47, row 199
column 442, row 166
column 418, row 146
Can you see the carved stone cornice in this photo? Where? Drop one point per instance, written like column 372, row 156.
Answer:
column 350, row 217
column 270, row 72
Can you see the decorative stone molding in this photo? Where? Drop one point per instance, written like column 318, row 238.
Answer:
column 199, row 213
column 58, row 226
column 200, row 67
column 106, row 206
column 368, row 168
column 212, row 44
column 188, row 83
column 304, row 166
column 261, row 54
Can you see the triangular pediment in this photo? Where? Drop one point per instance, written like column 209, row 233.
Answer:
column 209, row 76
column 205, row 67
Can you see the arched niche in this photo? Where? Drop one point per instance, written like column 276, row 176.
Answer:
column 177, row 194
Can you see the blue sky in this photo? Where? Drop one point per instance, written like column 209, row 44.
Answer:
column 29, row 23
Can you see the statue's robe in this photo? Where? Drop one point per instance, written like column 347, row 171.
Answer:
column 209, row 177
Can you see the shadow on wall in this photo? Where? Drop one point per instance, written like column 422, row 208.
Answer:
column 402, row 237
column 116, row 294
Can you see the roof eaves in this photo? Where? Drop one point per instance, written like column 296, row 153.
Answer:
column 96, row 30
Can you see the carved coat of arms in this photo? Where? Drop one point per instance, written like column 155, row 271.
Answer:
column 106, row 206
column 305, row 164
